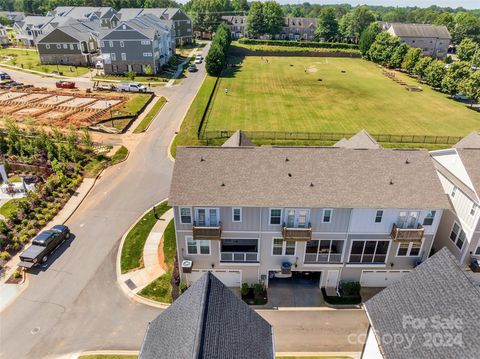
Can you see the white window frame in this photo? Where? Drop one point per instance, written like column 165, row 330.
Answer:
column 284, row 247
column 180, row 215
column 123, row 56
column 198, row 247
column 47, row 46
column 110, row 43
column 454, row 191
column 233, row 214
column 473, row 210
column 323, row 215
column 460, row 231
column 378, row 216
column 65, row 46
column 59, row 46
column 363, row 251
column 344, row 245
column 432, row 211
column 207, row 214
column 113, row 56
column 409, row 249
column 102, row 43
column 122, row 44
column 147, row 54
column 145, row 42
column 72, row 47
column 270, row 217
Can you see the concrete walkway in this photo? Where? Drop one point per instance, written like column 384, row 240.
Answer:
column 137, row 280
column 180, row 68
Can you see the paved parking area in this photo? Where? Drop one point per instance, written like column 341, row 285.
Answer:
column 297, row 291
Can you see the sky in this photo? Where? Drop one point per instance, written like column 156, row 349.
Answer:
column 467, row 4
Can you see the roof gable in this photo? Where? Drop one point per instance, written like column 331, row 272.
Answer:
column 420, row 30
column 472, row 140
column 59, row 34
column 361, row 140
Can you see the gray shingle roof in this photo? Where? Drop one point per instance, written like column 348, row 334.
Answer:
column 472, row 140
column 238, row 139
column 208, row 321
column 305, row 177
column 437, row 289
column 361, row 140
column 420, row 30
column 471, row 161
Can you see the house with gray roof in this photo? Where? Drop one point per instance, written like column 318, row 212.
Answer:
column 30, row 28
column 15, row 16
column 432, row 312
column 105, row 16
column 181, row 22
column 459, row 171
column 136, row 45
column 353, row 212
column 208, row 321
column 433, row 40
column 3, row 36
column 72, row 44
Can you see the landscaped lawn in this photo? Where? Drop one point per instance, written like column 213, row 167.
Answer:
column 307, row 94
column 10, row 207
column 147, row 120
column 119, row 156
column 132, row 250
column 160, row 289
column 31, row 61
column 134, row 104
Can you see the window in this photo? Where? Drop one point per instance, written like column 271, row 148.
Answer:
column 59, row 46
column 185, row 215
column 71, row 47
column 473, row 210
column 324, row 251
column 283, row 248
column 409, row 249
column 378, row 216
column 145, row 42
column 197, row 247
column 113, row 56
column 124, row 56
column 477, row 252
column 122, row 44
column 147, row 54
column 207, row 217
column 428, row 220
column 275, row 216
column 454, row 191
column 102, row 43
column 65, row 46
column 327, row 216
column 47, row 46
column 457, row 235
column 236, row 214
column 369, row 251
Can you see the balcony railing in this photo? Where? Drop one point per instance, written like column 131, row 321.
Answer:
column 312, row 258
column 407, row 234
column 297, row 234
column 207, row 233
column 247, row 257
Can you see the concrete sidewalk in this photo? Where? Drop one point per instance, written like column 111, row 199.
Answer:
column 171, row 82
column 139, row 279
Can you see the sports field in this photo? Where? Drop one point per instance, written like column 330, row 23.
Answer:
column 310, row 94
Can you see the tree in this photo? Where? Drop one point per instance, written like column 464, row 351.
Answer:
column 398, row 56
column 272, row 17
column 456, row 73
column 367, row 38
column 255, row 24
column 421, row 67
column 411, row 58
column 466, row 25
column 471, row 86
column 383, row 48
column 148, row 70
column 446, row 19
column 215, row 60
column 206, row 13
column 5, row 21
column 240, row 5
column 353, row 23
column 469, row 51
column 435, row 73
column 327, row 25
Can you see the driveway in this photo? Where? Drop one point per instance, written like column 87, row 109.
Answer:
column 297, row 291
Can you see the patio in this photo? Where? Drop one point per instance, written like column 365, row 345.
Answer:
column 300, row 290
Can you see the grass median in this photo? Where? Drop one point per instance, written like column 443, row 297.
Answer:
column 132, row 250
column 119, row 156
column 160, row 289
column 148, row 119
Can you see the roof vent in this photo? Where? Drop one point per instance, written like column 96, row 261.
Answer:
column 391, row 181
column 223, row 184
column 286, row 159
column 311, row 184
column 407, row 161
column 202, row 159
column 289, row 175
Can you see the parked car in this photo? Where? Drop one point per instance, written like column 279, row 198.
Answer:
column 99, row 65
column 65, row 84
column 98, row 86
column 43, row 245
column 192, row 68
column 4, row 76
column 198, row 59
column 132, row 87
column 460, row 96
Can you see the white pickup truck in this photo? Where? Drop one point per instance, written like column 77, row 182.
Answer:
column 132, row 87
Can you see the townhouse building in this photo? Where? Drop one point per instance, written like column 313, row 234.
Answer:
column 352, row 212
column 30, row 28
column 105, row 16
column 3, row 36
column 15, row 16
column 459, row 171
column 433, row 40
column 182, row 26
column 136, row 45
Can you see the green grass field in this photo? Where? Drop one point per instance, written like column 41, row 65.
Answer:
column 306, row 94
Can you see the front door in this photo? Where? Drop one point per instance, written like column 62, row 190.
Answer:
column 297, row 218
column 332, row 279
column 207, row 217
column 407, row 219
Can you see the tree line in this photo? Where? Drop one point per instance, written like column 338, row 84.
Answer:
column 446, row 76
column 217, row 54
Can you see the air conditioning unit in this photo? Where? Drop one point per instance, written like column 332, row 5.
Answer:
column 187, row 266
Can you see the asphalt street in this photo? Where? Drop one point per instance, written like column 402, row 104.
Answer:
column 75, row 304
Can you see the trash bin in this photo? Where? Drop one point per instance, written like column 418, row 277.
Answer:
column 286, row 268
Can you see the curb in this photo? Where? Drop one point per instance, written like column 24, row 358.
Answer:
column 126, row 158
column 121, row 284
column 161, row 108
column 100, row 352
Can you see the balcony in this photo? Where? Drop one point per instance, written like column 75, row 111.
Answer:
column 204, row 233
column 239, row 257
column 297, row 234
column 323, row 258
column 407, row 234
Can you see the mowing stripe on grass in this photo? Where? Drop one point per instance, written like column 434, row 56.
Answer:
column 132, row 249
column 148, row 119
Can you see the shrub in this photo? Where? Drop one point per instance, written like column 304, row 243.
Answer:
column 311, row 44
column 350, row 288
column 257, row 290
column 5, row 256
column 16, row 246
column 182, row 287
column 42, row 222
column 32, row 232
column 244, row 289
column 17, row 274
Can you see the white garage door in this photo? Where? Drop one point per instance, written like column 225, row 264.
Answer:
column 380, row 278
column 231, row 278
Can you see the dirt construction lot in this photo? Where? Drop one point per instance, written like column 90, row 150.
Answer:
column 58, row 108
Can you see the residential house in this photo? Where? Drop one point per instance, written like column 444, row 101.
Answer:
column 432, row 312
column 181, row 22
column 74, row 44
column 208, row 321
column 30, row 28
column 3, row 36
column 294, row 28
column 344, row 213
column 433, row 40
column 136, row 44
column 105, row 16
column 15, row 16
column 459, row 171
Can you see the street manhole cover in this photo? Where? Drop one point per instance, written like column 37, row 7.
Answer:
column 130, row 284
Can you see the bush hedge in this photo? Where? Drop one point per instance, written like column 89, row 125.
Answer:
column 287, row 43
column 217, row 55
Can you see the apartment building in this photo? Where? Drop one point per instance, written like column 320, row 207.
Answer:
column 30, row 28
column 105, row 16
column 3, row 36
column 352, row 212
column 136, row 45
column 433, row 40
column 459, row 171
